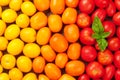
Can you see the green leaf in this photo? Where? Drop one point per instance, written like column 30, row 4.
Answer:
column 96, row 36
column 102, row 43
column 97, row 26
column 105, row 34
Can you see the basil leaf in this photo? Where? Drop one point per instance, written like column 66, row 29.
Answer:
column 102, row 43
column 97, row 26
column 96, row 36
column 105, row 34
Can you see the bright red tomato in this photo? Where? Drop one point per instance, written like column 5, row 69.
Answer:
column 86, row 6
column 117, row 59
column 118, row 32
column 101, row 13
column 114, row 43
column 116, row 18
column 109, row 72
column 86, row 36
column 117, row 4
column 95, row 70
column 117, row 74
column 83, row 20
column 84, row 77
column 101, row 3
column 88, row 53
column 105, row 57
column 109, row 26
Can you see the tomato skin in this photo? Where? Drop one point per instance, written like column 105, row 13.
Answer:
column 117, row 4
column 83, row 20
column 86, row 9
column 116, row 18
column 118, row 32
column 105, row 57
column 111, row 9
column 101, row 3
column 109, row 72
column 95, row 70
column 84, row 77
column 88, row 53
column 101, row 13
column 109, row 26
column 117, row 59
column 86, row 36
column 114, row 43
column 117, row 74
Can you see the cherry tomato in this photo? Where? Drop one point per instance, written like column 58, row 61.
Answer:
column 101, row 13
column 109, row 26
column 95, row 70
column 117, row 74
column 116, row 18
column 109, row 72
column 86, row 36
column 88, row 53
column 117, row 59
column 86, row 6
column 114, row 43
column 118, row 32
column 83, row 20
column 105, row 57
column 101, row 3
column 84, row 77
column 117, row 4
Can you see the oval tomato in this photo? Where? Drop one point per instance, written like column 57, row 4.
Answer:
column 117, row 59
column 117, row 74
column 117, row 4
column 84, row 77
column 101, row 3
column 118, row 32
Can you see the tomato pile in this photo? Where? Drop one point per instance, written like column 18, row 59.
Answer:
column 59, row 39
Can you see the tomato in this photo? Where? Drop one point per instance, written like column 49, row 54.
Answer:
column 116, row 18
column 83, row 20
column 95, row 70
column 117, row 59
column 109, row 26
column 102, row 3
column 96, row 46
column 117, row 4
column 101, row 13
column 105, row 57
column 86, row 36
column 111, row 9
column 109, row 72
column 117, row 74
column 84, row 77
column 118, row 32
column 88, row 53
column 86, row 9
column 114, row 43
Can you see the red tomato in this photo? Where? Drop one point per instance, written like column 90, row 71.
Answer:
column 116, row 18
column 88, row 53
column 86, row 6
column 101, row 13
column 95, row 70
column 86, row 36
column 109, row 26
column 96, row 46
column 105, row 57
column 118, row 32
column 117, row 4
column 117, row 74
column 114, row 43
column 109, row 72
column 101, row 3
column 111, row 9
column 117, row 59
column 83, row 20
column 84, row 77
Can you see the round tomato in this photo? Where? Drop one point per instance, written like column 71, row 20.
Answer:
column 117, row 59
column 116, row 18
column 117, row 4
column 102, row 3
column 117, row 74
column 118, row 32
column 84, row 77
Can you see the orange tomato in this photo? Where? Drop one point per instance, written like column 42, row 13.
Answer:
column 69, row 15
column 42, row 5
column 73, row 30
column 38, row 20
column 72, row 3
column 48, row 53
column 75, row 68
column 73, row 51
column 57, row 6
column 61, row 60
column 55, row 22
column 38, row 64
column 52, row 71
column 58, row 42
